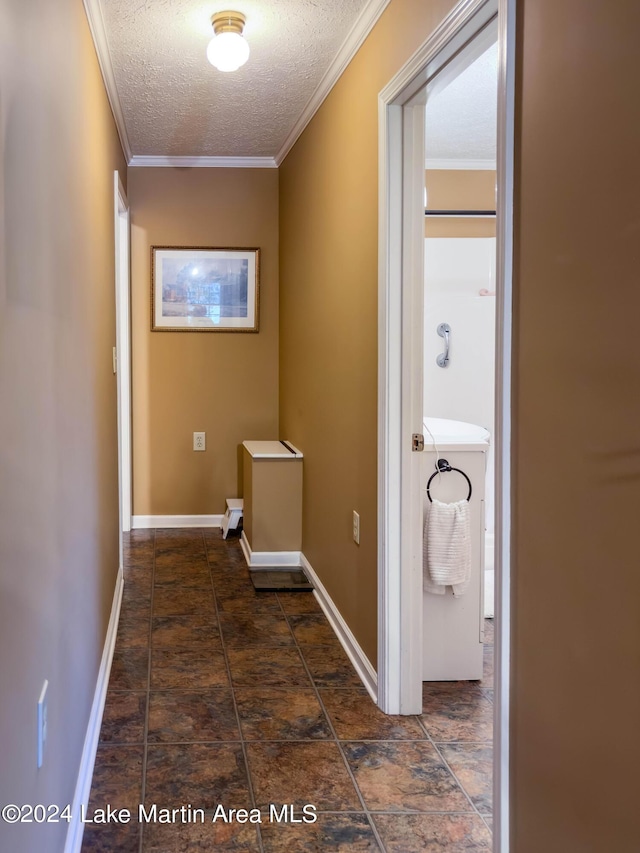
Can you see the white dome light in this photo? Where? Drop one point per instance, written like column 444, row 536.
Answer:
column 228, row 50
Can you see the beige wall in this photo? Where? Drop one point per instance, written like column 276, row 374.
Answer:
column 328, row 293
column 223, row 383
column 460, row 189
column 576, row 626
column 58, row 441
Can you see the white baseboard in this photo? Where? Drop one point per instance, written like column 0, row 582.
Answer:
column 360, row 661
column 73, row 841
column 146, row 522
column 268, row 559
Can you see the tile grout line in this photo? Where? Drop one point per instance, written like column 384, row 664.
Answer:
column 484, row 820
column 350, row 772
column 464, row 743
column 369, row 814
column 446, row 764
column 227, row 564
column 334, row 738
column 436, row 744
column 252, row 741
column 143, row 786
column 392, row 813
column 243, row 745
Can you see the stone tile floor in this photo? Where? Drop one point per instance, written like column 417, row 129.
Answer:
column 221, row 696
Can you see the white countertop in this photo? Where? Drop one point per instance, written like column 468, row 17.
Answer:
column 454, row 435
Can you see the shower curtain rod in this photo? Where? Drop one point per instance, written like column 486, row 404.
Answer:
column 460, row 214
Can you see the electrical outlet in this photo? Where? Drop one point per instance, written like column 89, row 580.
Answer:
column 356, row 527
column 199, row 441
column 42, row 722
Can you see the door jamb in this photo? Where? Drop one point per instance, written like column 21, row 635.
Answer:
column 123, row 351
column 504, row 379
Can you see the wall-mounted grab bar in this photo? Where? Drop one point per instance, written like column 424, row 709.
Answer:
column 444, row 330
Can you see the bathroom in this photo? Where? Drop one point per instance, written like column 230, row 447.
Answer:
column 460, row 262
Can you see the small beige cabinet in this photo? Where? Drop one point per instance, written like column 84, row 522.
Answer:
column 272, row 485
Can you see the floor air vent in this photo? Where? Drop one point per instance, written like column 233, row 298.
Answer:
column 280, row 580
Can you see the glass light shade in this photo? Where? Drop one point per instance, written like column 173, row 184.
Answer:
column 228, row 51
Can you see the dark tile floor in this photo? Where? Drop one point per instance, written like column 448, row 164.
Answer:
column 223, row 696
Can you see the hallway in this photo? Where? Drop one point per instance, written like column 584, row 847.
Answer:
column 219, row 695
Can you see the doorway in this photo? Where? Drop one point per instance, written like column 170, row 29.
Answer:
column 460, row 281
column 122, row 353
column 401, row 367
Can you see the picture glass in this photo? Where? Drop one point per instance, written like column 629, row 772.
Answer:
column 205, row 289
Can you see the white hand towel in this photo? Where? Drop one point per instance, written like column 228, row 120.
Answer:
column 447, row 547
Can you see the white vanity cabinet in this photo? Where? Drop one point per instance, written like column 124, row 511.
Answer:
column 453, row 627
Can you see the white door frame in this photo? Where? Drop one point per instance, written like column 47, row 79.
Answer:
column 400, row 335
column 123, row 351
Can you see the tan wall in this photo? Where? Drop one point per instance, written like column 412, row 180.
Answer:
column 58, row 440
column 329, row 285
column 576, row 627
column 460, row 189
column 223, row 383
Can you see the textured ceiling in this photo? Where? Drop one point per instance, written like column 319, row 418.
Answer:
column 461, row 119
column 175, row 103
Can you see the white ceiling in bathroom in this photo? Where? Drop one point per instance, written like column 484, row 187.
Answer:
column 173, row 103
column 461, row 119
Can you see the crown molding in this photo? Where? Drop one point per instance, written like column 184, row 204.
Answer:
column 203, row 162
column 353, row 42
column 489, row 165
column 99, row 34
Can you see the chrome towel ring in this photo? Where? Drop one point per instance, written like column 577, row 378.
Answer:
column 443, row 467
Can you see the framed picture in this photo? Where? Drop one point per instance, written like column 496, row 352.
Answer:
column 204, row 290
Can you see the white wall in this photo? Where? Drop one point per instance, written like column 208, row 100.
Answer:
column 456, row 270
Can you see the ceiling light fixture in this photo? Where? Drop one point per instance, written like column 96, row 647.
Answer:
column 228, row 49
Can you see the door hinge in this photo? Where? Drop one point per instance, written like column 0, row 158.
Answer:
column 417, row 444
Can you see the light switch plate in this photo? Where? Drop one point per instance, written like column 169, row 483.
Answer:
column 42, row 722
column 356, row 527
